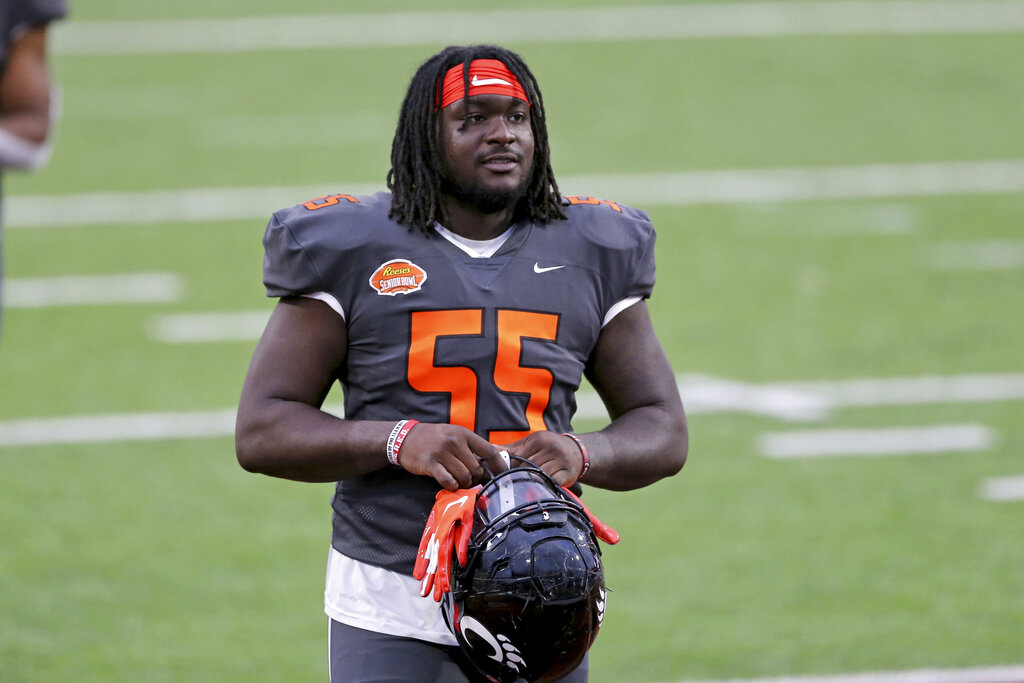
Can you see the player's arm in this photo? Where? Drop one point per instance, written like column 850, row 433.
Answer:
column 26, row 103
column 647, row 438
column 281, row 430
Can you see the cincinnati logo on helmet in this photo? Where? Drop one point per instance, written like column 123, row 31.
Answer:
column 501, row 648
column 398, row 277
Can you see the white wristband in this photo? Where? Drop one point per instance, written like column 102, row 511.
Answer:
column 397, row 438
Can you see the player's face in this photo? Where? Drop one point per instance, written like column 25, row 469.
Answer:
column 487, row 147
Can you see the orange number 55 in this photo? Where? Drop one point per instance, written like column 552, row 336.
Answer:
column 461, row 382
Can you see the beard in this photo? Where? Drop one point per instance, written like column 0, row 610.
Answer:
column 485, row 200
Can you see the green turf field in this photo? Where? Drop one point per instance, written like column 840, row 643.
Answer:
column 161, row 560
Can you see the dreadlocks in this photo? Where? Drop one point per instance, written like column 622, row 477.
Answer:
column 416, row 173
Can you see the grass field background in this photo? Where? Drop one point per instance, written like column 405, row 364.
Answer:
column 161, row 560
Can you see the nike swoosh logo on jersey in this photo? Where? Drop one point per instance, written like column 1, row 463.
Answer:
column 477, row 81
column 538, row 269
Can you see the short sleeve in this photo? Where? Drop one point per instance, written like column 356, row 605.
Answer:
column 642, row 283
column 288, row 269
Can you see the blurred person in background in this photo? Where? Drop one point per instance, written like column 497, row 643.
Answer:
column 460, row 312
column 28, row 102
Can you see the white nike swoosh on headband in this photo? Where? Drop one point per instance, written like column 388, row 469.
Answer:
column 477, row 81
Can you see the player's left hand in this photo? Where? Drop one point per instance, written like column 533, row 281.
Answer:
column 556, row 454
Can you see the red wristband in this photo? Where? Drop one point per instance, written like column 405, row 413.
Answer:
column 397, row 438
column 583, row 451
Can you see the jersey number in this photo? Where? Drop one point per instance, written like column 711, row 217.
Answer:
column 461, row 382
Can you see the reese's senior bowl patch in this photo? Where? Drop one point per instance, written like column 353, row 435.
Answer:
column 398, row 277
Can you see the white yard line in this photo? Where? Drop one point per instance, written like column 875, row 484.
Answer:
column 705, row 394
column 1003, row 489
column 920, row 390
column 822, row 443
column 192, row 328
column 992, row 674
column 117, row 427
column 659, row 22
column 1005, row 254
column 643, row 189
column 700, row 395
column 816, row 400
column 160, row 206
column 93, row 290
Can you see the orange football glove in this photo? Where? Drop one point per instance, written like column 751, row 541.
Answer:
column 603, row 531
column 449, row 527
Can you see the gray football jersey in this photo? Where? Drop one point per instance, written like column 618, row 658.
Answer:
column 496, row 344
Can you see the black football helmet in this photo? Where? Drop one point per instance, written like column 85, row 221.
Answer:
column 531, row 598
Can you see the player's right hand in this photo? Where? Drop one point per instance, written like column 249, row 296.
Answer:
column 452, row 455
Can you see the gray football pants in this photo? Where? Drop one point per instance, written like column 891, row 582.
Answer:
column 359, row 656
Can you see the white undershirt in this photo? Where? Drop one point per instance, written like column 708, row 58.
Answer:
column 376, row 599
column 475, row 248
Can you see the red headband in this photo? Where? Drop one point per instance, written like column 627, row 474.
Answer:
column 486, row 77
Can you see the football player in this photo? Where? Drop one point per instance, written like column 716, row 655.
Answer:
column 26, row 102
column 460, row 311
